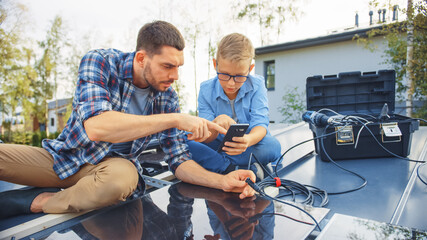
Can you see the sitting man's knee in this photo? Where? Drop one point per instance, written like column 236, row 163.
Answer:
column 123, row 179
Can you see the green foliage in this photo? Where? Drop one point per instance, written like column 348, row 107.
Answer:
column 22, row 138
column 421, row 113
column 178, row 86
column 43, row 135
column 47, row 68
column 36, row 140
column 396, row 52
column 14, row 70
column 269, row 15
column 294, row 105
column 192, row 113
column 54, row 135
column 29, row 138
column 7, row 131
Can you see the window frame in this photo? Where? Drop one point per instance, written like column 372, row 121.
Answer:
column 266, row 65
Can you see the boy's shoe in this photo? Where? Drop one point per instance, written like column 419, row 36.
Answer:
column 259, row 171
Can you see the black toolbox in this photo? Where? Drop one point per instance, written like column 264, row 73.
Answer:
column 363, row 95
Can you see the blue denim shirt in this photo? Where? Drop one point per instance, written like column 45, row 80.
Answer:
column 251, row 103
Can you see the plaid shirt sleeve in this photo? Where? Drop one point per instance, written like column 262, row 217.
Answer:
column 94, row 97
column 172, row 140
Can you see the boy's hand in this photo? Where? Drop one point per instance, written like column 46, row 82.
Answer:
column 224, row 121
column 238, row 146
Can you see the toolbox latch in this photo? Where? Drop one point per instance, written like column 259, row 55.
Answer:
column 390, row 132
column 344, row 135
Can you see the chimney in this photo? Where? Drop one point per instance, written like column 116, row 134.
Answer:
column 379, row 16
column 384, row 15
column 395, row 7
column 371, row 13
column 356, row 20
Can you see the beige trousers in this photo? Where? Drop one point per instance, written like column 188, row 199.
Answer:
column 93, row 186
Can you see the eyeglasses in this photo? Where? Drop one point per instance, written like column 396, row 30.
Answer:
column 236, row 78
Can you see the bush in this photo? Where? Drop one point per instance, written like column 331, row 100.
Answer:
column 36, row 141
column 54, row 135
column 293, row 105
column 22, row 138
column 43, row 135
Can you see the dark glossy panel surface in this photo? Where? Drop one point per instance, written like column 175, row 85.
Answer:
column 347, row 227
column 386, row 178
column 415, row 211
column 185, row 211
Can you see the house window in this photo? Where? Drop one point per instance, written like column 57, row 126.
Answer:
column 269, row 75
column 52, row 122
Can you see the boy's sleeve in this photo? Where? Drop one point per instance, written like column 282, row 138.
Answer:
column 259, row 108
column 205, row 102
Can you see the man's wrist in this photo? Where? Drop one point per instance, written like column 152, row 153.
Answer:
column 173, row 120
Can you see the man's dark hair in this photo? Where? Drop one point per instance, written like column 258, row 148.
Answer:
column 153, row 36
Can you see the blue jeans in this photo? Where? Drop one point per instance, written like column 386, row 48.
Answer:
column 266, row 151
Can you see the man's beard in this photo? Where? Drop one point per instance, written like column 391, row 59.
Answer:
column 149, row 79
column 148, row 75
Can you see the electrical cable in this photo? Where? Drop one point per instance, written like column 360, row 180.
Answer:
column 279, row 161
column 263, row 194
column 388, row 151
column 325, row 200
column 295, row 189
column 418, row 173
column 365, row 182
column 259, row 215
column 290, row 185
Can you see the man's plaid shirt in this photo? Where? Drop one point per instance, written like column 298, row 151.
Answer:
column 105, row 84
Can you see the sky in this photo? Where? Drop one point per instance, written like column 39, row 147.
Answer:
column 112, row 23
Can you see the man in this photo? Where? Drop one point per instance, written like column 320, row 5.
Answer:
column 122, row 101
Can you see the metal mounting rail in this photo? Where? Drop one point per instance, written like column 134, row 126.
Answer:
column 156, row 182
column 405, row 196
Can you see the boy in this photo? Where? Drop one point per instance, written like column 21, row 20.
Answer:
column 235, row 96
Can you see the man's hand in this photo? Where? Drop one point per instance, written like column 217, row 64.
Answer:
column 224, row 121
column 200, row 128
column 235, row 182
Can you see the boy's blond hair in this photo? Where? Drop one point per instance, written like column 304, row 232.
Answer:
column 236, row 48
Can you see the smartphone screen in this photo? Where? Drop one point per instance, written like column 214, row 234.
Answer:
column 235, row 130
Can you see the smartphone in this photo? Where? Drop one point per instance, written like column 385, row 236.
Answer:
column 235, row 130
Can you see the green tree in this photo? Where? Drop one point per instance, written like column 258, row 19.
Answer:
column 269, row 15
column 407, row 66
column 14, row 70
column 47, row 68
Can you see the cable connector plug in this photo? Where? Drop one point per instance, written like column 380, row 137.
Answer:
column 254, row 186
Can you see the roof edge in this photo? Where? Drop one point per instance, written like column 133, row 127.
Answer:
column 339, row 37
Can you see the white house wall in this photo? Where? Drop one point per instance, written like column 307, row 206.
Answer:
column 52, row 114
column 292, row 67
